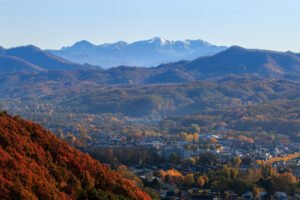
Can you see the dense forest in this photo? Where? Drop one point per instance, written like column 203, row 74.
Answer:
column 34, row 164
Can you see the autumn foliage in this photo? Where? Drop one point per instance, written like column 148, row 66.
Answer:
column 34, row 164
column 279, row 159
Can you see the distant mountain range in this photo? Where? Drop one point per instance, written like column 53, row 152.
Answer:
column 147, row 53
column 32, row 59
column 233, row 64
column 232, row 61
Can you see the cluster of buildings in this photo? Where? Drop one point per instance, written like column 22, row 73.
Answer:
column 224, row 150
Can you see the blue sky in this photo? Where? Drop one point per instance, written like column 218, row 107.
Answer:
column 265, row 24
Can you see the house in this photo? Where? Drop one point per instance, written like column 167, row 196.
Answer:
column 262, row 195
column 232, row 195
column 208, row 136
column 167, row 186
column 179, row 151
column 171, row 195
column 163, row 194
column 247, row 195
column 281, row 196
column 202, row 197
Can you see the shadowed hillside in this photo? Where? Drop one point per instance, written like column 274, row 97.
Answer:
column 237, row 60
column 31, row 55
column 15, row 64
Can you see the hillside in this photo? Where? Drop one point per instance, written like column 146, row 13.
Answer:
column 14, row 64
column 37, row 57
column 180, row 99
column 238, row 60
column 34, row 164
column 146, row 53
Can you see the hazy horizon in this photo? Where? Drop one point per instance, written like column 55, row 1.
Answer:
column 268, row 24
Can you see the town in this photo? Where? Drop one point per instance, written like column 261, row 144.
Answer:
column 209, row 153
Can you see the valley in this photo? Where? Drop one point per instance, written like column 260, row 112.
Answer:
column 172, row 127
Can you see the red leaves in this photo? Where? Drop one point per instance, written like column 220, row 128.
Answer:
column 34, row 164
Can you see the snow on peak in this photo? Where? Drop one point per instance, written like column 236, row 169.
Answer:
column 159, row 40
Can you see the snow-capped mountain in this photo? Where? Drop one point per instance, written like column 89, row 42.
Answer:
column 144, row 53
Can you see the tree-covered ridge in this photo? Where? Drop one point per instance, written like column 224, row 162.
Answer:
column 34, row 164
column 254, row 109
column 180, row 99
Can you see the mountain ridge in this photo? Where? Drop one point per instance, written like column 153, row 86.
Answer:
column 35, row 59
column 236, row 61
column 145, row 53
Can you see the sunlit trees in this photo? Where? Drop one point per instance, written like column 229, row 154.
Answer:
column 237, row 161
column 201, row 181
column 122, row 169
column 196, row 137
column 171, row 176
column 34, row 164
column 188, row 179
column 285, row 182
column 183, row 136
column 194, row 128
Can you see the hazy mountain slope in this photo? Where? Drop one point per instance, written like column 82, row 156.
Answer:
column 141, row 53
column 2, row 50
column 179, row 99
column 14, row 64
column 42, row 58
column 34, row 164
column 237, row 60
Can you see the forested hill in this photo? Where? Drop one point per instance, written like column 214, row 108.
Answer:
column 34, row 164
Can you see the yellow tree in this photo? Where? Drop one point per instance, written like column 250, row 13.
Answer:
column 183, row 136
column 196, row 137
column 283, row 182
column 188, row 179
column 200, row 181
column 237, row 161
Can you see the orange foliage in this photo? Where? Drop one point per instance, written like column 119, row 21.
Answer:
column 173, row 175
column 285, row 158
column 243, row 138
column 34, row 164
